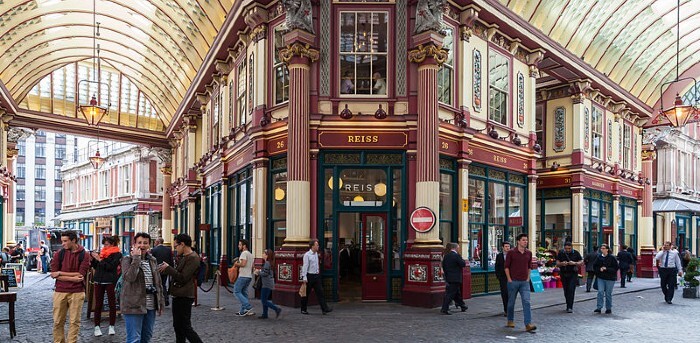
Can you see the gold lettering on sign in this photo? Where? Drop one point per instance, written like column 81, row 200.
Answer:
column 598, row 184
column 500, row 159
column 280, row 145
column 444, row 145
column 567, row 180
column 363, row 139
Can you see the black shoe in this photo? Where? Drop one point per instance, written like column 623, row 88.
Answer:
column 588, row 291
column 623, row 287
column 277, row 312
column 262, row 317
column 328, row 311
column 505, row 313
column 608, row 311
column 568, row 310
column 669, row 302
column 304, row 312
column 596, row 310
column 446, row 312
column 464, row 308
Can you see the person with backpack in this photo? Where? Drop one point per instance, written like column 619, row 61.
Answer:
column 4, row 256
column 69, row 267
column 182, row 287
column 107, row 265
column 141, row 296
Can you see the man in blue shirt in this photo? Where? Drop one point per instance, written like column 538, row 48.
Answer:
column 669, row 264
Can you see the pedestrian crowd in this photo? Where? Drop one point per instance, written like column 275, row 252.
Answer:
column 142, row 282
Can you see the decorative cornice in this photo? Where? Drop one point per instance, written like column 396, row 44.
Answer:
column 466, row 22
column 256, row 19
column 648, row 155
column 223, row 68
column 421, row 52
column 258, row 33
column 299, row 50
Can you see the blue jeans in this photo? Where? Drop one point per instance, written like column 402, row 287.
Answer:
column 44, row 263
column 605, row 287
column 240, row 290
column 522, row 287
column 139, row 327
column 266, row 302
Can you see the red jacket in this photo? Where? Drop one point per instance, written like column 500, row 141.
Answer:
column 71, row 263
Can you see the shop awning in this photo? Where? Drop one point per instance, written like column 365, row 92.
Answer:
column 95, row 213
column 675, row 205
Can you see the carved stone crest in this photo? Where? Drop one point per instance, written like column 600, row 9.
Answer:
column 429, row 15
column 299, row 14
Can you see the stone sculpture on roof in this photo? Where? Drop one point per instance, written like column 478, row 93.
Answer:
column 299, row 14
column 429, row 15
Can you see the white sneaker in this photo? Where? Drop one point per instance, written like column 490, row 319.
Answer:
column 111, row 330
column 98, row 332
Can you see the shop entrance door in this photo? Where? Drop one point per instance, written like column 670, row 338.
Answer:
column 374, row 256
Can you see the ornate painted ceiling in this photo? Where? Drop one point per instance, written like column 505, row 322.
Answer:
column 158, row 45
column 632, row 41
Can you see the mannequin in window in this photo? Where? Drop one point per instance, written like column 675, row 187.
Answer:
column 346, row 85
column 379, row 84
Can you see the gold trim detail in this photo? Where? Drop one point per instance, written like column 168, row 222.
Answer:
column 299, row 50
column 421, row 52
column 648, row 155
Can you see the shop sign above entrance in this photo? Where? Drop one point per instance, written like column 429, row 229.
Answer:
column 422, row 219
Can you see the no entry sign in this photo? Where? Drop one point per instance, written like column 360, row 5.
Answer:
column 422, row 219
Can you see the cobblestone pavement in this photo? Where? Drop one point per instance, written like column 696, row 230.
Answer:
column 638, row 312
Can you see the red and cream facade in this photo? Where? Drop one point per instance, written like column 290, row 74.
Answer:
column 293, row 135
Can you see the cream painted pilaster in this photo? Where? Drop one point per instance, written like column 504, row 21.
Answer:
column 463, row 218
column 259, row 205
column 532, row 212
column 577, row 219
column 615, row 224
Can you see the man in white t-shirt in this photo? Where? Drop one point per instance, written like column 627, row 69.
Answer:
column 245, row 275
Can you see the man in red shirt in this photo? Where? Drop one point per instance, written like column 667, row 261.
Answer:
column 517, row 268
column 69, row 267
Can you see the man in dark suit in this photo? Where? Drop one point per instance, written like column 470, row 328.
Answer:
column 452, row 265
column 588, row 261
column 162, row 254
column 501, row 275
column 625, row 261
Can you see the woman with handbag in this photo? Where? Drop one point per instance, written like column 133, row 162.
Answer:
column 268, row 283
column 606, row 268
column 106, row 264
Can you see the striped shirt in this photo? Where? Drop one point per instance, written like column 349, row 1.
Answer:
column 148, row 279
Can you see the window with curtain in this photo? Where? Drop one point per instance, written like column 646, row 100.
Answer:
column 364, row 46
column 499, row 83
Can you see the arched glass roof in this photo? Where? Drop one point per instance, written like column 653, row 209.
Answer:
column 632, row 41
column 158, row 45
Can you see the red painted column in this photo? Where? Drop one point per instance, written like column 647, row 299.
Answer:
column 298, row 56
column 645, row 264
column 166, row 225
column 423, row 282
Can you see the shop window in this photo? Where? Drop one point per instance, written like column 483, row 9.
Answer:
column 240, row 211
column 281, row 72
column 396, row 225
column 360, row 187
column 446, row 215
column 278, row 209
column 597, row 132
column 213, row 206
column 499, row 83
column 557, row 223
column 363, row 53
column 445, row 76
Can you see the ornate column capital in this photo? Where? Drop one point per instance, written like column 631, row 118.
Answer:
column 256, row 19
column 579, row 90
column 648, row 155
column 299, row 50
column 428, row 48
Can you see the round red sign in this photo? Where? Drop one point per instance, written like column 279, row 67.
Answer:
column 422, row 219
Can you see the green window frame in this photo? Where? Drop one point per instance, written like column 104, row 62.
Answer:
column 277, row 203
column 240, row 218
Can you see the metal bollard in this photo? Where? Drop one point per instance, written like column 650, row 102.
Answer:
column 218, row 290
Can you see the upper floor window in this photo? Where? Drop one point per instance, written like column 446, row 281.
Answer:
column 40, row 171
column 241, row 93
column 58, row 194
column 22, row 147
column 40, row 193
column 281, row 72
column 60, row 152
column 363, row 49
column 627, row 147
column 20, row 192
column 445, row 75
column 597, row 132
column 126, row 179
column 40, row 150
column 499, row 83
column 57, row 173
column 215, row 114
column 21, row 169
column 104, row 184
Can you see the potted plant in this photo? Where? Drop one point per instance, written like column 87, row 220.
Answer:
column 690, row 289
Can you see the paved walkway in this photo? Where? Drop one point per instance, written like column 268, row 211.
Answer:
column 634, row 309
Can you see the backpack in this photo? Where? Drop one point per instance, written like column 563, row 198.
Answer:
column 62, row 253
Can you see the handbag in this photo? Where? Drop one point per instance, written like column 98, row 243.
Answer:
column 257, row 285
column 233, row 274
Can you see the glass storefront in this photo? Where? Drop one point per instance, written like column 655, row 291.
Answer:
column 497, row 212
column 683, row 228
column 627, row 223
column 277, row 203
column 554, row 218
column 240, row 218
column 361, row 215
column 597, row 219
column 448, row 199
column 213, row 217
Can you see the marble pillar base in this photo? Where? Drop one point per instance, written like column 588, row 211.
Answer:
column 424, row 285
